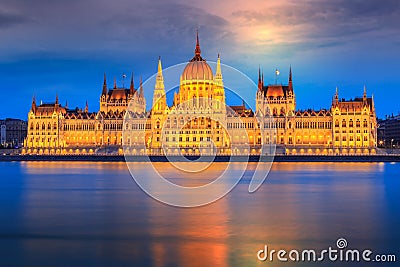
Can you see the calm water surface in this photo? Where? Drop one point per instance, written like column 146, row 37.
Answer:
column 93, row 214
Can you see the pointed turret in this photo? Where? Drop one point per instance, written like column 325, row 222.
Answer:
column 335, row 100
column 218, row 72
column 290, row 78
column 66, row 104
column 259, row 78
column 159, row 78
column 56, row 99
column 104, row 92
column 159, row 98
column 86, row 107
column 262, row 79
column 365, row 95
column 33, row 103
column 132, row 86
column 115, row 83
column 141, row 94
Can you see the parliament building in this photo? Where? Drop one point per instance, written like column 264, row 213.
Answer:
column 200, row 122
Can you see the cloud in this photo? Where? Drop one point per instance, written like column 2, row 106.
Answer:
column 9, row 19
column 310, row 20
column 98, row 28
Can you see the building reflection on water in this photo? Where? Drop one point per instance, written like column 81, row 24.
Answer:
column 93, row 214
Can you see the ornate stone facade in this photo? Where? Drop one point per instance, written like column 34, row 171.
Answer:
column 200, row 122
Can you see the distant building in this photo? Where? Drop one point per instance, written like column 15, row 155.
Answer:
column 347, row 127
column 12, row 132
column 3, row 132
column 389, row 131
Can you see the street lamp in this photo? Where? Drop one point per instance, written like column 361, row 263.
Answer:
column 391, row 144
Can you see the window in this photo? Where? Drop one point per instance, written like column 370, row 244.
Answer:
column 337, row 123
column 344, row 123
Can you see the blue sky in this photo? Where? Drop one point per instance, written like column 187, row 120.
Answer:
column 64, row 47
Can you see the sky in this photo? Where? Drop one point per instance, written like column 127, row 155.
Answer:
column 50, row 47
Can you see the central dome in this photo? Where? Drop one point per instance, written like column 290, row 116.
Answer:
column 197, row 68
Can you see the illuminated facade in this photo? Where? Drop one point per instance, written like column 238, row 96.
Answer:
column 199, row 121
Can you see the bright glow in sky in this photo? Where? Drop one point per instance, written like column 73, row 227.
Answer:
column 64, row 47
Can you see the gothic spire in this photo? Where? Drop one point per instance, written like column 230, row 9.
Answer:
column 259, row 78
column 159, row 98
column 290, row 78
column 159, row 68
column 141, row 87
column 115, row 83
column 335, row 100
column 56, row 99
column 365, row 95
column 104, row 85
column 262, row 78
column 33, row 103
column 218, row 73
column 132, row 87
column 159, row 78
column 86, row 107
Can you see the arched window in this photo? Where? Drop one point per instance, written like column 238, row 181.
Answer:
column 344, row 124
column 31, row 126
column 337, row 123
column 365, row 123
column 358, row 123
column 351, row 123
column 43, row 126
column 37, row 126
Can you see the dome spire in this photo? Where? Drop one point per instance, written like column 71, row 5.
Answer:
column 197, row 51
